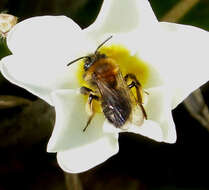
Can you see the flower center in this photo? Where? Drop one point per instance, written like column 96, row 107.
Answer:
column 126, row 63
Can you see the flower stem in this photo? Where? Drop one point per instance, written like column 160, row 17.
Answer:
column 73, row 182
column 179, row 10
column 197, row 107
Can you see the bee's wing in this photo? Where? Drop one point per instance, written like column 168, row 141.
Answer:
column 138, row 113
column 119, row 104
column 116, row 102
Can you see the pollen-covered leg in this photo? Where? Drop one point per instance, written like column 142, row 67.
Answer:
column 89, row 105
column 139, row 90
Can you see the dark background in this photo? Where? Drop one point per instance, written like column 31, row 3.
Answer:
column 141, row 163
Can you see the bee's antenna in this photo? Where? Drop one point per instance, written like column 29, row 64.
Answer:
column 102, row 44
column 94, row 52
column 77, row 60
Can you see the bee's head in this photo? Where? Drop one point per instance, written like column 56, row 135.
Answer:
column 91, row 59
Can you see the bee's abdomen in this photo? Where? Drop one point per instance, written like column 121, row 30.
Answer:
column 117, row 109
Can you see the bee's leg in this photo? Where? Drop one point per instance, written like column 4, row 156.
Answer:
column 135, row 83
column 85, row 91
column 139, row 90
column 92, row 96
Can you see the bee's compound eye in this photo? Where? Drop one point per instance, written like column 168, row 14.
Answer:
column 85, row 67
column 88, row 60
column 103, row 56
column 87, row 63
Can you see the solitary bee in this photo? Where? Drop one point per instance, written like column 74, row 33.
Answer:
column 118, row 103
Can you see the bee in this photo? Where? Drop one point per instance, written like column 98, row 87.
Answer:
column 112, row 90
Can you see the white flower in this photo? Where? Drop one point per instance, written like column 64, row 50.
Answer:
column 175, row 58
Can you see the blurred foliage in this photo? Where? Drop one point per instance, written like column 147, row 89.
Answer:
column 198, row 16
column 4, row 51
column 161, row 7
column 74, row 9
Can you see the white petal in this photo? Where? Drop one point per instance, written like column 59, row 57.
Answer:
column 122, row 16
column 158, row 109
column 40, row 81
column 146, row 47
column 86, row 157
column 42, row 47
column 79, row 151
column 188, row 59
column 149, row 129
column 46, row 36
column 71, row 118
